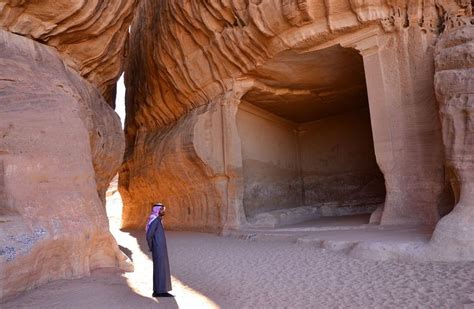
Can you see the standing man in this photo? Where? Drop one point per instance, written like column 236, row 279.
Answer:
column 155, row 236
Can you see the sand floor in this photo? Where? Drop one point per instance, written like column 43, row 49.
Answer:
column 211, row 271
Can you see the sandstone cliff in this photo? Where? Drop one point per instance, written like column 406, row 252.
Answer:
column 89, row 34
column 193, row 65
column 60, row 141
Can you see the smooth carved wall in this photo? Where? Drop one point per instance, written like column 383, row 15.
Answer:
column 329, row 162
column 338, row 161
column 270, row 160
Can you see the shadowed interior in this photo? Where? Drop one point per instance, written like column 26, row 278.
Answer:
column 325, row 83
column 306, row 135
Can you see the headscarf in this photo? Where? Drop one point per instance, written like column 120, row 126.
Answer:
column 155, row 213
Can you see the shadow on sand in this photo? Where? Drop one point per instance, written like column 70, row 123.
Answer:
column 127, row 252
column 105, row 288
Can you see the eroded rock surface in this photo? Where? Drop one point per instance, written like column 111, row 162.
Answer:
column 193, row 63
column 60, row 145
column 454, row 81
column 89, row 34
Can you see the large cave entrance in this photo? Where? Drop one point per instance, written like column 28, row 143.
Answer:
column 306, row 136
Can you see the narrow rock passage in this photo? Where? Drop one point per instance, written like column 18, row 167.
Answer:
column 211, row 271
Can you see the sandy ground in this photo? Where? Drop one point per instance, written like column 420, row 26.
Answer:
column 210, row 272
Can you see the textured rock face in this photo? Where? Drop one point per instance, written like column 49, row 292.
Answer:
column 193, row 63
column 60, row 145
column 454, row 81
column 200, row 48
column 176, row 176
column 88, row 34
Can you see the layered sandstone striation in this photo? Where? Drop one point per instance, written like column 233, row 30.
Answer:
column 202, row 74
column 89, row 34
column 60, row 146
column 198, row 48
column 60, row 141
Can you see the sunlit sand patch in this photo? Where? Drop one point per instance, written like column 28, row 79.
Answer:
column 140, row 281
column 187, row 297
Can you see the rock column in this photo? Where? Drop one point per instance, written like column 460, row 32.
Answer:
column 405, row 123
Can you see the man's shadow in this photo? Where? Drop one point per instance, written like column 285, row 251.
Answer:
column 127, row 252
column 140, row 236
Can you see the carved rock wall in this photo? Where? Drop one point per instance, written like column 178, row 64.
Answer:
column 89, row 34
column 60, row 145
column 191, row 54
column 178, row 178
column 407, row 132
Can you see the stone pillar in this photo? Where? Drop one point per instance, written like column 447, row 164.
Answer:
column 233, row 214
column 454, row 83
column 407, row 138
